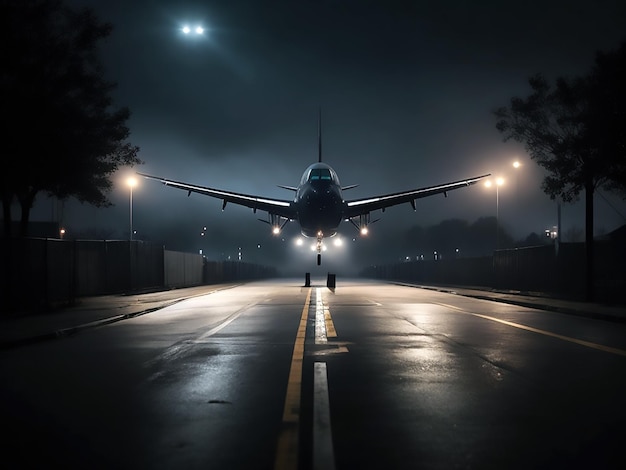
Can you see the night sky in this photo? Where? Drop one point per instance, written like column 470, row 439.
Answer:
column 406, row 89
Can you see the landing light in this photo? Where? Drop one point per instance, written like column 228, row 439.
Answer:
column 314, row 247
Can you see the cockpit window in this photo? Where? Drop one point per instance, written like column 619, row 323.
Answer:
column 318, row 174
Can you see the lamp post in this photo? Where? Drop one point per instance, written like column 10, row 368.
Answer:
column 497, row 183
column 131, row 182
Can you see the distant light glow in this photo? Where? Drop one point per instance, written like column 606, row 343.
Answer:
column 198, row 30
column 338, row 242
column 299, row 241
column 132, row 182
column 364, row 231
column 497, row 182
column 276, row 230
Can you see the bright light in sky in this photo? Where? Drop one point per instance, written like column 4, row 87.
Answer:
column 199, row 30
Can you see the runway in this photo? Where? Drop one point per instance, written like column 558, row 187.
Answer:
column 274, row 375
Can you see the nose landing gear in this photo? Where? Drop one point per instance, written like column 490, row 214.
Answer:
column 320, row 236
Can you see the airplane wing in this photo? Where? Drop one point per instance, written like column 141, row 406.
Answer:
column 278, row 207
column 358, row 207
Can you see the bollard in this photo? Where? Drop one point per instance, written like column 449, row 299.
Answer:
column 331, row 281
column 307, row 279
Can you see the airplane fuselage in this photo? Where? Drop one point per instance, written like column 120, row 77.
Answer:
column 319, row 202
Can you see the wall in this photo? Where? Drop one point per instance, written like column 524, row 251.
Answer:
column 39, row 273
column 535, row 269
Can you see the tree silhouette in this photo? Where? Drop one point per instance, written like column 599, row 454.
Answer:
column 575, row 130
column 60, row 132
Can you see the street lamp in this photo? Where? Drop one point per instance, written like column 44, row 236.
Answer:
column 131, row 182
column 497, row 183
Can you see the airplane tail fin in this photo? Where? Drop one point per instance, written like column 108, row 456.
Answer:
column 319, row 136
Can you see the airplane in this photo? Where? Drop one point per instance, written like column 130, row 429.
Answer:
column 318, row 204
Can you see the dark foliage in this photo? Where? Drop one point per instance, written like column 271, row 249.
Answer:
column 576, row 130
column 60, row 131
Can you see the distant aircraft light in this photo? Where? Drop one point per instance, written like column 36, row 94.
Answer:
column 186, row 29
column 199, row 30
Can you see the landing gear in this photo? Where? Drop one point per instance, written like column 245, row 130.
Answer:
column 320, row 236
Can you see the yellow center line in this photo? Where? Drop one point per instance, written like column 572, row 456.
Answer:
column 287, row 447
column 330, row 326
column 581, row 342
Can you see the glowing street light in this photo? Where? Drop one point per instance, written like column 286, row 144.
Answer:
column 497, row 183
column 131, row 182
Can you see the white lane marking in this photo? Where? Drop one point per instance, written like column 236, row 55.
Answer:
column 330, row 351
column 323, row 452
column 588, row 344
column 179, row 349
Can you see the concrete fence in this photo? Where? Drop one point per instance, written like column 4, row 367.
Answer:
column 535, row 269
column 37, row 273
